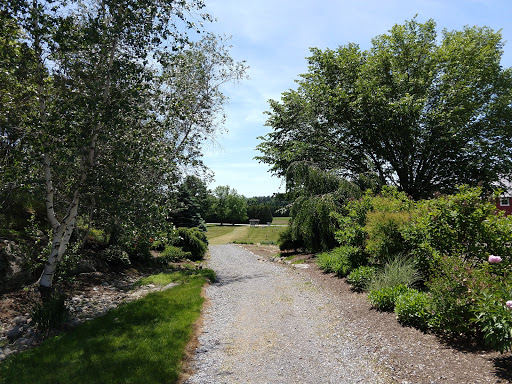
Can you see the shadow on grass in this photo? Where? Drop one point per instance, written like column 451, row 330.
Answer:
column 139, row 342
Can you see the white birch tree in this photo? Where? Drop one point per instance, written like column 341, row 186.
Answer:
column 90, row 60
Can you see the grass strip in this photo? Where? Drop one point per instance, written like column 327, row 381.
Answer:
column 242, row 234
column 139, row 342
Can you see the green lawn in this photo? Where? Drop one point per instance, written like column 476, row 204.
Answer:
column 140, row 342
column 228, row 234
column 280, row 221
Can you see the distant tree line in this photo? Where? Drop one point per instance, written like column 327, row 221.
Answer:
column 195, row 205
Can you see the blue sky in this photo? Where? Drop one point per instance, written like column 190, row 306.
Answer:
column 274, row 37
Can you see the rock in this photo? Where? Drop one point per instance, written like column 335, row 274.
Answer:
column 20, row 320
column 23, row 343
column 14, row 273
column 13, row 334
column 5, row 352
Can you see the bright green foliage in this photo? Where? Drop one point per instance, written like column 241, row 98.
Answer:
column 329, row 262
column 412, row 308
column 494, row 320
column 352, row 223
column 384, row 299
column 341, row 260
column 180, row 277
column 172, row 253
column 227, row 206
column 361, row 277
column 417, row 110
column 464, row 225
column 139, row 342
column 384, row 230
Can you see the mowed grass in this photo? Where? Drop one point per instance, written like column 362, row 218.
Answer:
column 228, row 234
column 139, row 342
column 225, row 234
column 280, row 221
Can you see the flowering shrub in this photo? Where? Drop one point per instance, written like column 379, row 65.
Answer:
column 465, row 226
column 494, row 319
column 494, row 259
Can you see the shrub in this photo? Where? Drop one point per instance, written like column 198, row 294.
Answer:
column 194, row 241
column 352, row 224
column 287, row 242
column 138, row 248
column 385, row 239
column 452, row 298
column 384, row 299
column 115, row 254
column 412, row 308
column 329, row 262
column 464, row 225
column 341, row 260
column 172, row 253
column 494, row 320
column 399, row 271
column 360, row 278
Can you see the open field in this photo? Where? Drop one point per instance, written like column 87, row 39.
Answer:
column 226, row 234
column 280, row 221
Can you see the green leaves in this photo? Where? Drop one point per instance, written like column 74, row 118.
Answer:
column 422, row 115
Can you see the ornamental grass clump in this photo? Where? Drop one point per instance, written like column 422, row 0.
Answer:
column 391, row 281
column 399, row 270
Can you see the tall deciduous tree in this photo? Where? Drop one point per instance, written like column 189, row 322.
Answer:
column 113, row 119
column 229, row 206
column 420, row 114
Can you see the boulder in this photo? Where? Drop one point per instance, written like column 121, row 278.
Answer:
column 14, row 270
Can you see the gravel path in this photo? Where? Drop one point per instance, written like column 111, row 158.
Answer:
column 267, row 323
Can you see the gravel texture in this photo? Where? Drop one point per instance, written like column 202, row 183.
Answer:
column 268, row 323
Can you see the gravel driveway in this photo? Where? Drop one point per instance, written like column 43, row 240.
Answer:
column 266, row 323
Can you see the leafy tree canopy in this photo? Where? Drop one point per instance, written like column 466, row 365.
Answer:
column 228, row 206
column 416, row 111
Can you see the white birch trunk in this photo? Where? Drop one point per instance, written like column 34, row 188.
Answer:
column 63, row 230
